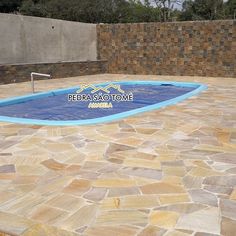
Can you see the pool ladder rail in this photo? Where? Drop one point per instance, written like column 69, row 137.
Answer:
column 38, row 74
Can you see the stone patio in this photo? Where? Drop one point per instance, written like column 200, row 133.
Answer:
column 166, row 172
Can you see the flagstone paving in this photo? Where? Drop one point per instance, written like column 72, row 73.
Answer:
column 168, row 172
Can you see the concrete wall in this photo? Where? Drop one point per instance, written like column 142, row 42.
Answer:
column 204, row 48
column 25, row 39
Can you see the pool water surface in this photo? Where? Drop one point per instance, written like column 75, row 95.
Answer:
column 54, row 108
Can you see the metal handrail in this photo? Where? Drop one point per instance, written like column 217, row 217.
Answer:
column 39, row 74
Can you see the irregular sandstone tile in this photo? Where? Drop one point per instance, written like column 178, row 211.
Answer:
column 53, row 165
column 226, row 181
column 170, row 199
column 81, row 229
column 23, row 205
column 83, row 217
column 228, row 208
column 195, row 155
column 136, row 155
column 222, row 136
column 173, row 171
column 43, row 229
column 218, row 189
column 77, row 187
column 27, row 179
column 152, row 230
column 6, row 196
column 205, row 234
column 90, row 175
column 117, row 192
column 177, row 163
column 192, row 181
column 130, row 202
column 8, row 143
column 95, row 194
column 200, row 163
column 58, row 147
column 224, row 157
column 14, row 224
column 172, row 180
column 49, row 215
column 228, row 226
column 221, row 149
column 51, row 183
column 131, row 141
column 142, row 163
column 113, row 183
column 204, row 197
column 73, row 169
column 147, row 131
column 66, row 202
column 176, row 233
column 93, row 165
column 161, row 188
column 115, row 147
column 206, row 220
column 219, row 166
column 142, row 172
column 121, row 217
column 115, row 160
column 111, row 230
column 31, row 169
column 233, row 195
column 109, row 168
column 124, row 125
column 182, row 208
column 75, row 158
column 164, row 219
column 203, row 172
column 7, row 169
column 231, row 171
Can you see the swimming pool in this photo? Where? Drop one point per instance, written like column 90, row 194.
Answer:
column 55, row 108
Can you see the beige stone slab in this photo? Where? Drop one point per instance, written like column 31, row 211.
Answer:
column 228, row 226
column 206, row 220
column 48, row 215
column 83, row 217
column 162, row 188
column 233, row 195
column 78, row 187
column 118, row 217
column 164, row 219
column 30, row 169
column 14, row 224
column 114, row 183
column 170, row 199
column 152, row 230
column 174, row 171
column 111, row 230
column 142, row 163
column 130, row 202
column 203, row 172
column 66, row 202
column 43, row 230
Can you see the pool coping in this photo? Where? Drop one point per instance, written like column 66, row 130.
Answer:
column 110, row 118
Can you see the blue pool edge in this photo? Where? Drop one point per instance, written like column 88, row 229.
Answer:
column 110, row 118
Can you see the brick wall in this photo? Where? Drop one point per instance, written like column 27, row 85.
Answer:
column 21, row 72
column 206, row 48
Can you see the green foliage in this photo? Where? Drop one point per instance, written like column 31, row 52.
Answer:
column 7, row 6
column 203, row 10
column 230, row 9
column 122, row 11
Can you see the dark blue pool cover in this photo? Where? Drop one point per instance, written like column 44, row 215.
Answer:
column 59, row 108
